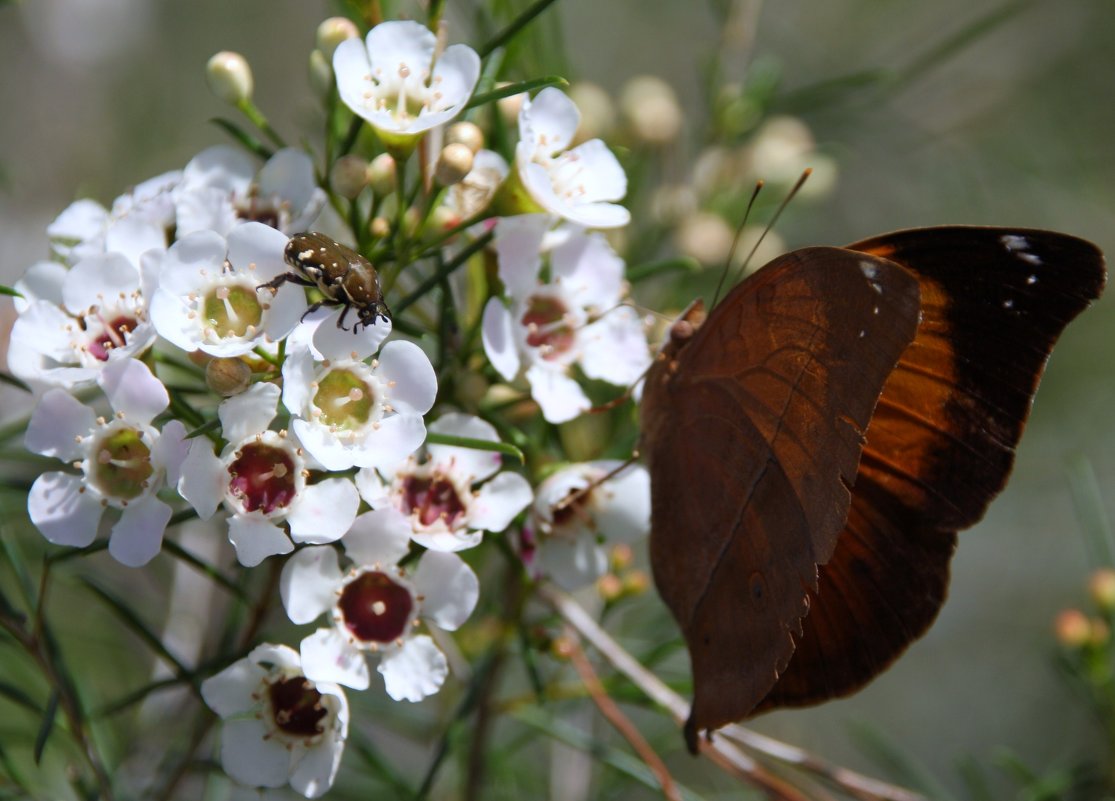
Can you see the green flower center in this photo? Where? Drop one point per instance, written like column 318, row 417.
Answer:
column 232, row 311
column 345, row 399
column 122, row 464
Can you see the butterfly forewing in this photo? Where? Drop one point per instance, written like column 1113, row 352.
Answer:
column 753, row 431
column 941, row 442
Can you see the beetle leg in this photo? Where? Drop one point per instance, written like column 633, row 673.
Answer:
column 341, row 320
column 313, row 307
column 278, row 281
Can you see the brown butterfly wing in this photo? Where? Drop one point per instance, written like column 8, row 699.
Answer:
column 752, row 432
column 941, row 442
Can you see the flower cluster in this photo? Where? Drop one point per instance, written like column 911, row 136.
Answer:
column 190, row 360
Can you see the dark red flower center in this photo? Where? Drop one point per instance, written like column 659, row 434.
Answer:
column 113, row 335
column 297, row 707
column 432, row 499
column 262, row 477
column 547, row 328
column 376, row 608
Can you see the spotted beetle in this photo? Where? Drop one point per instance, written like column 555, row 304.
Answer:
column 343, row 276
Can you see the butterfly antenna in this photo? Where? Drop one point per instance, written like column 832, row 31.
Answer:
column 735, row 242
column 773, row 220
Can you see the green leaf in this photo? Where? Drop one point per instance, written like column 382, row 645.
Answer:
column 7, row 290
column 682, row 264
column 516, row 88
column 13, row 381
column 899, row 765
column 476, row 445
column 204, row 428
column 19, row 697
column 442, row 273
column 520, row 22
column 47, row 726
column 135, row 697
column 178, row 552
column 380, row 767
column 247, row 141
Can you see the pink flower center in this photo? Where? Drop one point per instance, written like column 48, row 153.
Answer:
column 262, row 477
column 376, row 608
column 432, row 499
column 297, row 708
column 547, row 326
column 114, row 335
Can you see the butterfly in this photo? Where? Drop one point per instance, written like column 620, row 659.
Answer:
column 817, row 442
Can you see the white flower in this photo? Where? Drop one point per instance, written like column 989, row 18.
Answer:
column 139, row 220
column 349, row 413
column 207, row 296
column 123, row 463
column 73, row 322
column 577, row 318
column 375, row 607
column 472, row 194
column 279, row 726
column 572, row 534
column 220, row 187
column 439, row 495
column 261, row 478
column 394, row 81
column 573, row 184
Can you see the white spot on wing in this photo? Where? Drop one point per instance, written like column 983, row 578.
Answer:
column 871, row 272
column 1020, row 247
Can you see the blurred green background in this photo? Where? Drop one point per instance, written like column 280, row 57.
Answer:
column 1015, row 127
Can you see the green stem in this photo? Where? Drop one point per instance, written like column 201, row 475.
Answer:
column 257, row 118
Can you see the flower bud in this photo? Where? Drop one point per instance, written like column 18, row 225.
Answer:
column 672, row 202
column 442, row 219
column 321, row 74
column 467, row 134
column 511, row 105
column 381, row 174
column 1101, row 586
column 610, row 586
column 349, row 176
column 650, row 108
column 471, row 388
column 636, row 582
column 622, row 556
column 229, row 76
column 228, row 376
column 332, row 32
column 598, row 113
column 453, row 164
column 379, row 227
column 1100, row 633
column 1073, row 629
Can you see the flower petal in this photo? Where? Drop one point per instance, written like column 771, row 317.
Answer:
column 396, row 438
column 559, row 396
column 255, row 539
column 251, row 757
column 138, row 536
column 373, row 489
column 379, row 537
column 499, row 501
column 222, row 167
column 327, row 656
column 471, row 462
column 548, row 122
column 622, row 503
column 614, row 348
column 248, row 413
column 42, row 281
column 298, row 373
column 518, row 246
column 308, row 584
column 401, row 42
column 324, row 511
column 288, row 176
column 133, row 390
column 63, row 511
column 416, row 670
column 448, row 541
column 571, row 563
column 602, row 176
column 334, row 342
column 170, row 451
column 499, row 339
column 203, row 478
column 230, row 691
column 406, row 364
column 316, row 770
column 456, row 72
column 450, row 588
column 55, row 425
column 259, row 248
column 586, row 265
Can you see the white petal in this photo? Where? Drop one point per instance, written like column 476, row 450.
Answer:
column 559, row 396
column 251, row 758
column 323, row 512
column 170, row 451
column 450, row 588
column 327, row 656
column 499, row 501
column 406, row 364
column 471, row 462
column 221, row 166
column 81, row 220
column 622, row 503
column 602, row 176
column 416, row 670
column 259, row 248
column 614, row 348
column 316, row 770
column 62, row 511
column 181, row 268
column 586, row 265
column 204, row 208
column 379, row 537
column 550, row 117
column 572, row 563
column 518, row 246
column 203, row 478
column 334, row 342
column 132, row 236
column 350, row 66
column 373, row 489
column 132, row 389
column 448, row 541
column 538, row 182
column 298, row 373
column 323, row 445
column 248, row 413
column 55, row 425
column 288, row 176
column 170, row 316
column 499, row 339
column 42, row 281
column 230, row 691
column 256, row 538
column 138, row 536
column 455, row 75
column 281, row 656
column 396, row 438
column 398, row 42
column 309, row 582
